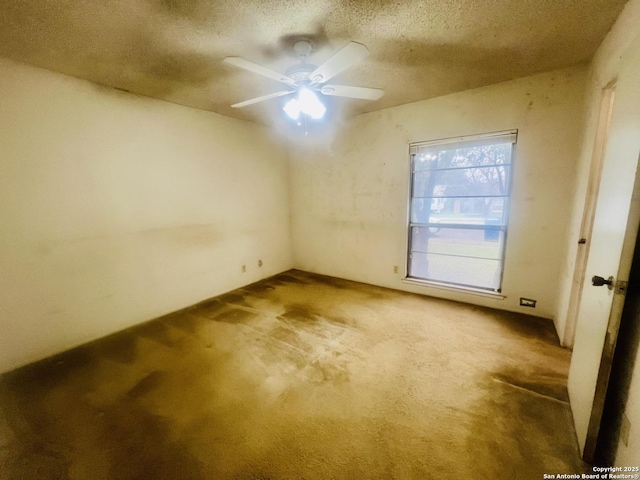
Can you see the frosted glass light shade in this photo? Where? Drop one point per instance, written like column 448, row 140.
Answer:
column 310, row 104
column 292, row 108
column 306, row 102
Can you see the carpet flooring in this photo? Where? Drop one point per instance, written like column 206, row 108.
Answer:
column 299, row 376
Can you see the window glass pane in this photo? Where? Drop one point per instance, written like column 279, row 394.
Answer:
column 421, row 184
column 434, row 157
column 425, row 161
column 466, row 182
column 458, row 210
column 423, row 210
column 472, row 272
column 458, row 241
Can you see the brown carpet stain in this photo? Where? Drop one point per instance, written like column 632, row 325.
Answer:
column 298, row 376
column 234, row 315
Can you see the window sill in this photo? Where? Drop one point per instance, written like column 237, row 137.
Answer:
column 451, row 288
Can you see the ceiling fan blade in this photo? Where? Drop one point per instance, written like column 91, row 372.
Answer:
column 262, row 98
column 350, row 54
column 260, row 70
column 352, row 92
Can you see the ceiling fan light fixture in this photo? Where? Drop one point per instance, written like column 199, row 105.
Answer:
column 292, row 109
column 310, row 104
column 304, row 80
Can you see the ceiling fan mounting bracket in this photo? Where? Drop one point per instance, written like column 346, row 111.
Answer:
column 302, row 49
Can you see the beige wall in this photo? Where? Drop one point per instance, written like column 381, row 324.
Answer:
column 349, row 197
column 116, row 209
column 617, row 59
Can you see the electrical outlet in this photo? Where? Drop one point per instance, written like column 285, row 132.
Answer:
column 259, row 263
column 244, row 268
column 625, row 429
column 528, row 302
column 395, row 269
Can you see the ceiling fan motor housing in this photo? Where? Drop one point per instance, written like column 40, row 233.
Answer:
column 301, row 71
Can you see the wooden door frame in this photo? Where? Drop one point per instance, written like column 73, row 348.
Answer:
column 588, row 216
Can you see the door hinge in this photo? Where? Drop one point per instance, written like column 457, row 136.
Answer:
column 621, row 287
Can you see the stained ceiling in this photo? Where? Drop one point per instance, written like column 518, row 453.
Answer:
column 173, row 49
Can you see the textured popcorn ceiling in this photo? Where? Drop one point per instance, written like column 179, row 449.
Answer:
column 173, row 49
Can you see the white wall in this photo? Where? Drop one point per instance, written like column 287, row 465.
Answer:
column 618, row 58
column 116, row 209
column 349, row 199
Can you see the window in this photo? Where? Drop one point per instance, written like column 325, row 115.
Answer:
column 458, row 210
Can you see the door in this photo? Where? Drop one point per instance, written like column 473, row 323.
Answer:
column 611, row 246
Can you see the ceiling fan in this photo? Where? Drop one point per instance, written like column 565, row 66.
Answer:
column 305, row 80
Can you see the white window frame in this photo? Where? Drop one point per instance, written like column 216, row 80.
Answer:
column 501, row 137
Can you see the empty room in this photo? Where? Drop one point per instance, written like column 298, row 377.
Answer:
column 319, row 239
